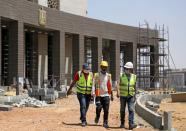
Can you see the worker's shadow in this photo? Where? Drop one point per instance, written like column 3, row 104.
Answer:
column 79, row 124
column 111, row 127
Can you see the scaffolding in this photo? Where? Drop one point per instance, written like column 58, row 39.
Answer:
column 152, row 56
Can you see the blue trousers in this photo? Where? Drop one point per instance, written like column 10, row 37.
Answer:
column 84, row 101
column 129, row 100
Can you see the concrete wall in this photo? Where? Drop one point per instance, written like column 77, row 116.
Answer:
column 179, row 97
column 0, row 50
column 151, row 117
column 12, row 99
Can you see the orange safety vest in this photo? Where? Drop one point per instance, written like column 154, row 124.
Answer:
column 97, row 84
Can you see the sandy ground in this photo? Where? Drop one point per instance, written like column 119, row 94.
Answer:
column 178, row 110
column 63, row 116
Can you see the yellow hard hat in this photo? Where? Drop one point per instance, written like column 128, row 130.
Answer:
column 104, row 63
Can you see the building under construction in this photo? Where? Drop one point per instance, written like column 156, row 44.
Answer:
column 42, row 43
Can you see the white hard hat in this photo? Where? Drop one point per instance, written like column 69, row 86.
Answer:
column 129, row 65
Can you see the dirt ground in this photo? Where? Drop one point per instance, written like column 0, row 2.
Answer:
column 178, row 110
column 63, row 116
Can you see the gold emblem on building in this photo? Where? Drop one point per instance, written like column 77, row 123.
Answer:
column 42, row 17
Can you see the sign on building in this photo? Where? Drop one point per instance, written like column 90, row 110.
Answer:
column 42, row 17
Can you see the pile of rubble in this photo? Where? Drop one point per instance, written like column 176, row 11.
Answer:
column 47, row 94
column 30, row 102
column 152, row 105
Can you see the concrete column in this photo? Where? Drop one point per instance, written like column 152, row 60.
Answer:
column 0, row 53
column 152, row 67
column 62, row 57
column 115, row 59
column 81, row 51
column 77, row 52
column 167, row 121
column 99, row 48
column 21, row 54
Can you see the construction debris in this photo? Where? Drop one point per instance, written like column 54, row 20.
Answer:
column 152, row 105
column 2, row 92
column 5, row 107
column 10, row 93
column 30, row 102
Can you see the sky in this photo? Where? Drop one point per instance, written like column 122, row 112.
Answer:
column 171, row 13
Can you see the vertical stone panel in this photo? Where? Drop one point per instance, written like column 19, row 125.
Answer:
column 21, row 54
column 0, row 53
column 99, row 48
column 117, row 57
column 62, row 57
column 81, row 51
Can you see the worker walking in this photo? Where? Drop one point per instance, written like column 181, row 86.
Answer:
column 102, row 89
column 126, row 89
column 83, row 80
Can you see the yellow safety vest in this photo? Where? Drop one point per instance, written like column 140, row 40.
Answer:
column 82, row 85
column 127, row 87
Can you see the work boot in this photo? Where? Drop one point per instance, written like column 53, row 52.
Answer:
column 105, row 124
column 84, row 123
column 122, row 125
column 96, row 120
column 132, row 126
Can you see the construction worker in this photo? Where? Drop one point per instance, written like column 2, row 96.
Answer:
column 102, row 89
column 126, row 89
column 83, row 80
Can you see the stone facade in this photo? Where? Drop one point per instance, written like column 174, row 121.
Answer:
column 24, row 13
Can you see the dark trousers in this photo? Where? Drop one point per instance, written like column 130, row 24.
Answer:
column 129, row 100
column 84, row 101
column 104, row 103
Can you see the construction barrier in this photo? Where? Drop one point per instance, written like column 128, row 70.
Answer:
column 151, row 117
